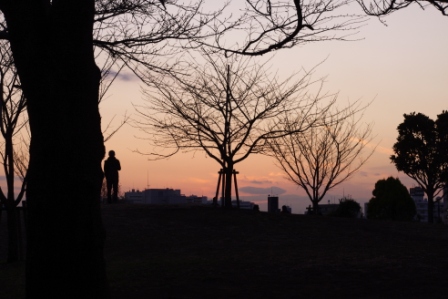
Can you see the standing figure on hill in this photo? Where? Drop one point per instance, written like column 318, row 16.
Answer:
column 111, row 168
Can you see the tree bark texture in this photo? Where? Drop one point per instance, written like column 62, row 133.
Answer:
column 53, row 51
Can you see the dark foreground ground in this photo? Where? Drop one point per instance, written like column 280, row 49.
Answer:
column 197, row 252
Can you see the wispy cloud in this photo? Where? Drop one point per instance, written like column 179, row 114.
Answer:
column 272, row 178
column 122, row 76
column 257, row 190
column 259, row 182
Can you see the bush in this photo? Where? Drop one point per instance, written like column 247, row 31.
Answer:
column 348, row 208
column 391, row 201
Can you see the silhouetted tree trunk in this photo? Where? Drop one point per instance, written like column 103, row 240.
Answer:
column 13, row 233
column 228, row 171
column 12, row 108
column 430, row 192
column 53, row 52
column 11, row 202
column 315, row 207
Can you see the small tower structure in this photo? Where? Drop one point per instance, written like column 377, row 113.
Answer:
column 272, row 204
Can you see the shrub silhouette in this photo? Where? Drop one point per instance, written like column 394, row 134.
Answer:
column 348, row 208
column 391, row 200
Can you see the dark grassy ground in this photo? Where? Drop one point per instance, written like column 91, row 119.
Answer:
column 197, row 252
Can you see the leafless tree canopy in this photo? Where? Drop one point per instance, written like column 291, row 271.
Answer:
column 14, row 120
column 13, row 124
column 323, row 157
column 385, row 7
column 271, row 25
column 141, row 32
column 229, row 108
column 144, row 35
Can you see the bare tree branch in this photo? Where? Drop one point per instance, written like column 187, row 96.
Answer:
column 321, row 158
column 141, row 32
column 116, row 129
column 229, row 109
column 266, row 25
column 12, row 121
column 381, row 8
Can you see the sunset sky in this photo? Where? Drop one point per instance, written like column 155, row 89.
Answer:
column 402, row 67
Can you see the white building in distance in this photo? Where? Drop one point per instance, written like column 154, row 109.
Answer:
column 421, row 205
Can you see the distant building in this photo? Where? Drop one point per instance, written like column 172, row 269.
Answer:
column 196, row 200
column 286, row 210
column 273, row 204
column 174, row 197
column 421, row 205
column 162, row 197
column 245, row 205
column 327, row 209
column 324, row 209
column 134, row 196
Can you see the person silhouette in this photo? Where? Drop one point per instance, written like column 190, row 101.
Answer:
column 111, row 168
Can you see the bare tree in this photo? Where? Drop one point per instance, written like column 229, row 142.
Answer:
column 323, row 157
column 229, row 109
column 12, row 121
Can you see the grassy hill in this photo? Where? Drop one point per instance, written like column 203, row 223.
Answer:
column 200, row 252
